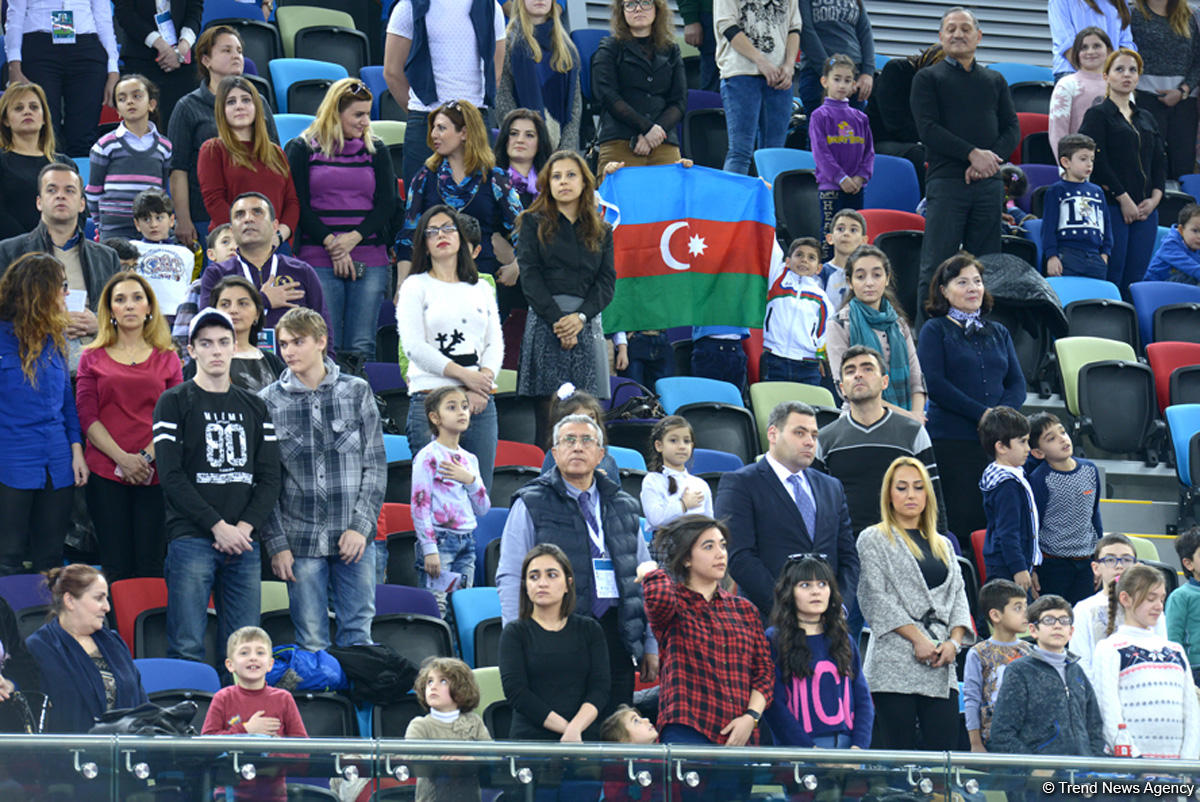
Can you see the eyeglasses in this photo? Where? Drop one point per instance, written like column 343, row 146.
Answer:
column 1050, row 620
column 360, row 90
column 634, row 5
column 1117, row 562
column 808, row 555
column 433, row 231
column 587, row 440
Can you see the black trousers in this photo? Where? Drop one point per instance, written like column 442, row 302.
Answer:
column 620, row 665
column 897, row 716
column 73, row 78
column 171, row 85
column 1177, row 125
column 960, row 464
column 35, row 526
column 129, row 522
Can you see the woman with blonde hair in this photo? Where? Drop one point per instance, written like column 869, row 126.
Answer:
column 242, row 158
column 27, row 145
column 121, row 375
column 541, row 71
column 43, row 459
column 912, row 596
column 462, row 174
column 346, row 186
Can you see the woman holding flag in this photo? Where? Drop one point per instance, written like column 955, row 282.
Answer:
column 565, row 250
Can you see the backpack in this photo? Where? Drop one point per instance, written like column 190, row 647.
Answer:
column 378, row 673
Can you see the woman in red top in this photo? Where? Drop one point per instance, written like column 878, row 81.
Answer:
column 121, row 375
column 717, row 677
column 242, row 158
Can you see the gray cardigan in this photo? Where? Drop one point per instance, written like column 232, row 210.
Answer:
column 892, row 593
column 506, row 100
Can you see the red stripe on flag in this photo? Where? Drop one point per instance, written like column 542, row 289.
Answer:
column 692, row 246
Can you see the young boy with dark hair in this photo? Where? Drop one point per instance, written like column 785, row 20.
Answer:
column 1066, row 490
column 1183, row 605
column 1046, row 704
column 1003, row 602
column 847, row 232
column 220, row 246
column 1076, row 229
column 126, row 252
column 1178, row 255
column 797, row 313
column 1010, row 549
column 166, row 265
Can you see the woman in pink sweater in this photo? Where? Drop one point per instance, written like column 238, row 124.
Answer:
column 1079, row 91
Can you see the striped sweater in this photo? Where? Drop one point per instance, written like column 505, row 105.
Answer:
column 119, row 171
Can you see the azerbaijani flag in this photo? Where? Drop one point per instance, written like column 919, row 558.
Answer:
column 692, row 247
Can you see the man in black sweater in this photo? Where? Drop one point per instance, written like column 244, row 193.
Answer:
column 218, row 463
column 965, row 116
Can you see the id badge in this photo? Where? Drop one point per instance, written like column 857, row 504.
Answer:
column 166, row 28
column 606, row 578
column 266, row 339
column 62, row 27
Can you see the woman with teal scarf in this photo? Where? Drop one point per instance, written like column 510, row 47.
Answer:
column 872, row 317
column 541, row 71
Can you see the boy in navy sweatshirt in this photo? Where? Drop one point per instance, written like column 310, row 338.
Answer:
column 1076, row 230
column 1010, row 548
column 1178, row 256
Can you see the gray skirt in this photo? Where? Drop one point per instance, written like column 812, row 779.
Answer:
column 545, row 365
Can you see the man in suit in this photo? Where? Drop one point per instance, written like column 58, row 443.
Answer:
column 777, row 507
column 160, row 47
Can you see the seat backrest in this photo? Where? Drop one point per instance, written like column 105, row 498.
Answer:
column 1100, row 317
column 706, row 460
column 287, row 71
column 202, row 699
column 167, row 674
column 150, row 636
column 627, row 458
column 497, row 717
column 724, row 428
column 372, row 76
column 132, row 596
column 1030, row 124
column 327, row 715
column 391, row 720
column 305, row 97
column 797, row 204
column 1183, row 421
column 30, row 619
column 395, row 517
column 260, row 40
column 273, row 595
column 1177, row 323
column 1075, row 352
column 1150, row 295
column 414, row 636
column 491, row 562
column 1032, row 96
column 399, row 481
column 1164, row 358
column 401, row 565
column 511, row 453
column 335, row 44
column 291, row 126
column 487, row 641
column 1079, row 288
column 881, row 221
column 893, row 185
column 765, row 396
column 770, row 162
column 587, row 41
column 293, row 19
column 1118, row 397
column 471, row 606
column 1016, row 72
column 1037, row 175
column 903, row 249
column 508, row 479
column 705, row 139
column 221, row 10
column 391, row 132
column 1024, row 249
column 396, row 447
column 1144, row 548
column 24, row 590
column 977, row 539
column 391, row 599
column 1185, row 385
column 490, row 687
column 677, row 391
column 1172, row 204
column 1035, row 149
column 1193, row 460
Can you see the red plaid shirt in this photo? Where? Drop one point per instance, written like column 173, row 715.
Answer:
column 714, row 653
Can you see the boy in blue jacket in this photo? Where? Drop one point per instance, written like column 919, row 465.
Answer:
column 1010, row 548
column 1178, row 256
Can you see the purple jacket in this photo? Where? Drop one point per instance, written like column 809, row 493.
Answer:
column 841, row 143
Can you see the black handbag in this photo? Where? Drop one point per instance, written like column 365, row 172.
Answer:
column 639, row 407
column 148, row 719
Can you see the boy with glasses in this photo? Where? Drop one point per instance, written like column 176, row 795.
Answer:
column 1114, row 556
column 1046, row 704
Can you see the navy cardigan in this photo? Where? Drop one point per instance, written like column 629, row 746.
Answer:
column 70, row 678
column 965, row 375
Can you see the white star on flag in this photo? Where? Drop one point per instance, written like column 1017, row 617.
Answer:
column 696, row 245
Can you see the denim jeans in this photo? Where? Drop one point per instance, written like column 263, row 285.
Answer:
column 353, row 589
column 1133, row 245
column 457, row 553
column 479, row 438
column 381, row 560
column 354, row 308
column 194, row 570
column 650, row 358
column 775, row 368
column 723, row 360
column 416, row 149
column 1078, row 262
column 756, row 116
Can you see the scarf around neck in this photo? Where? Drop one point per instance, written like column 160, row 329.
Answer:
column 536, row 84
column 865, row 322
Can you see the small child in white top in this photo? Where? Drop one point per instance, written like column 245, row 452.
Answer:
column 669, row 491
column 447, row 494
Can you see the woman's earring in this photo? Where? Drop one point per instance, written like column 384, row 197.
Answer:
column 113, row 320
column 149, row 317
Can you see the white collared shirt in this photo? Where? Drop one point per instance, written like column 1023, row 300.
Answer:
column 785, row 475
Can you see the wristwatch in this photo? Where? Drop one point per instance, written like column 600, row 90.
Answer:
column 144, row 454
column 754, row 714
column 582, row 318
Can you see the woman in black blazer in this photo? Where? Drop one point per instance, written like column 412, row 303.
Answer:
column 164, row 62
column 1131, row 167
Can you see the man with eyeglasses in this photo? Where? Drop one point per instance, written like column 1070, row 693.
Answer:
column 776, row 507
column 586, row 514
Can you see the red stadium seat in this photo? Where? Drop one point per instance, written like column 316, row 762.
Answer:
column 881, row 221
column 1031, row 123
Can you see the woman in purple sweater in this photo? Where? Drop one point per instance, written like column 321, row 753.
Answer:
column 347, row 191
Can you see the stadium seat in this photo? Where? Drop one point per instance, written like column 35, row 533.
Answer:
column 150, row 636
column 402, row 558
column 705, row 139
column 515, row 417
column 706, row 460
column 627, row 458
column 372, row 76
column 293, row 19
column 903, row 249
column 699, row 99
column 305, row 97
column 752, row 347
column 30, row 619
column 414, row 637
column 397, row 448
column 676, row 391
column 1032, row 96
column 1185, row 385
column 1077, row 288
column 399, row 481
column 487, row 641
column 1033, row 233
column 384, row 377
column 587, row 40
column 491, row 562
column 497, row 717
column 1022, row 248
column 24, row 590
column 1171, row 204
column 1164, row 358
column 1037, row 175
column 508, row 479
column 260, row 40
column 1144, row 548
column 221, row 10
column 1030, row 124
column 288, row 71
column 1183, row 423
column 490, row 688
column 893, row 185
column 1015, row 72
column 715, row 411
column 471, row 607
column 1101, row 317
column 1037, row 201
column 1075, row 352
column 977, row 538
column 1177, row 323
column 488, row 527
column 326, row 715
column 797, row 204
column 511, row 453
column 391, row 599
column 1150, row 295
column 291, row 126
column 84, row 166
column 167, row 674
column 395, row 517
column 130, row 597
column 1036, row 150
column 391, row 132
column 391, row 720
column 883, row 221
column 770, row 162
column 1118, row 410
column 765, row 396
column 202, row 700
column 333, row 43
column 273, row 595
column 279, row 626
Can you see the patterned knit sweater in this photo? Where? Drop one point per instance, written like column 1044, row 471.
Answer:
column 119, row 171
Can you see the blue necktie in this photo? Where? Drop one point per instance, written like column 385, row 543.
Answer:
column 599, row 606
column 805, row 504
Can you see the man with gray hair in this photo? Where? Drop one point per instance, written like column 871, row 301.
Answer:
column 776, row 509
column 587, row 515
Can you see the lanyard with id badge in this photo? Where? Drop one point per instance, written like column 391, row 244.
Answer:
column 603, row 573
column 62, row 26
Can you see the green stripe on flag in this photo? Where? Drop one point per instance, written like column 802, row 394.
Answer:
column 687, row 299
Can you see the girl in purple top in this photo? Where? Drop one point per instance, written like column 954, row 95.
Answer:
column 347, row 189
column 841, row 142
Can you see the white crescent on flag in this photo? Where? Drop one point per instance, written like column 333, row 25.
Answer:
column 664, row 246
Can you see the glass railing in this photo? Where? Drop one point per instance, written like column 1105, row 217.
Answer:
column 137, row 769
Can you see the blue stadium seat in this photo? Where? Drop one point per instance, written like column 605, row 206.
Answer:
column 706, row 460
column 893, row 185
column 287, row 71
column 291, row 126
column 397, row 447
column 1077, row 288
column 1150, row 295
column 84, row 163
column 167, row 674
column 471, row 607
column 587, row 40
column 1190, row 184
column 230, row 9
column 1033, row 232
column 770, row 162
column 1015, row 72
column 881, row 61
column 488, row 527
column 677, row 391
column 627, row 458
column 1183, row 420
column 372, row 76
column 1158, row 237
column 399, row 599
column 715, row 411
